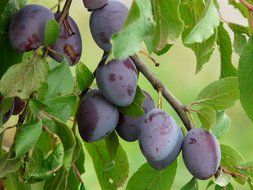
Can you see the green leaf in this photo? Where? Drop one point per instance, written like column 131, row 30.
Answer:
column 207, row 116
column 36, row 106
column 60, row 81
column 84, row 76
column 27, row 137
column 220, row 94
column 73, row 182
column 8, row 56
column 228, row 187
column 58, row 181
column 79, row 161
column 135, row 109
column 24, row 78
column 222, row 125
column 191, row 185
column 246, row 169
column 61, row 107
column 240, row 42
column 46, row 158
column 225, row 47
column 206, row 26
column 223, row 179
column 8, row 166
column 190, row 13
column 237, row 28
column 138, row 26
column 112, row 145
column 13, row 182
column 231, row 159
column 110, row 178
column 82, row 187
column 67, row 137
column 245, row 73
column 147, row 178
column 52, row 32
column 166, row 30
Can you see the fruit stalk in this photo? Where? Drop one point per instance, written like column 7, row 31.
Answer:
column 159, row 86
column 64, row 14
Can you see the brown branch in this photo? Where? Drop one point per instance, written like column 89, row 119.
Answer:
column 248, row 5
column 159, row 86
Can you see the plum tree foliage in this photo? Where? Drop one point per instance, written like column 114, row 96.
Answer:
column 61, row 113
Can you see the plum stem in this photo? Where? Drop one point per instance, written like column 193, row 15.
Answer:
column 158, row 85
column 64, row 14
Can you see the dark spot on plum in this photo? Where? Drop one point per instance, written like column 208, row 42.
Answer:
column 103, row 37
column 156, row 149
column 130, row 91
column 150, row 136
column 193, row 141
column 146, row 121
column 31, row 43
column 164, row 130
column 69, row 50
column 152, row 115
column 120, row 77
column 112, row 77
column 36, row 11
column 89, row 122
column 129, row 65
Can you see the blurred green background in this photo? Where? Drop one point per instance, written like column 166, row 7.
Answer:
column 177, row 71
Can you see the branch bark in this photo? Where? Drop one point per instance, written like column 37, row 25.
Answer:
column 248, row 5
column 159, row 86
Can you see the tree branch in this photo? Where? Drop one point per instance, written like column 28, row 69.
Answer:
column 159, row 86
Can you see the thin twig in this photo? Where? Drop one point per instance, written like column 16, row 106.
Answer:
column 248, row 5
column 151, row 58
column 158, row 85
column 78, row 175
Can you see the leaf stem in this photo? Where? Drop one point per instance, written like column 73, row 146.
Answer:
column 158, row 85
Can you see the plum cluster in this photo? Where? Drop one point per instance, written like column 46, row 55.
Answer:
column 16, row 108
column 160, row 138
column 27, row 32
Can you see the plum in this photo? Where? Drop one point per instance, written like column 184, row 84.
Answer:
column 128, row 126
column 117, row 81
column 106, row 21
column 201, row 153
column 27, row 27
column 19, row 106
column 97, row 117
column 94, row 4
column 170, row 158
column 160, row 138
column 69, row 42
